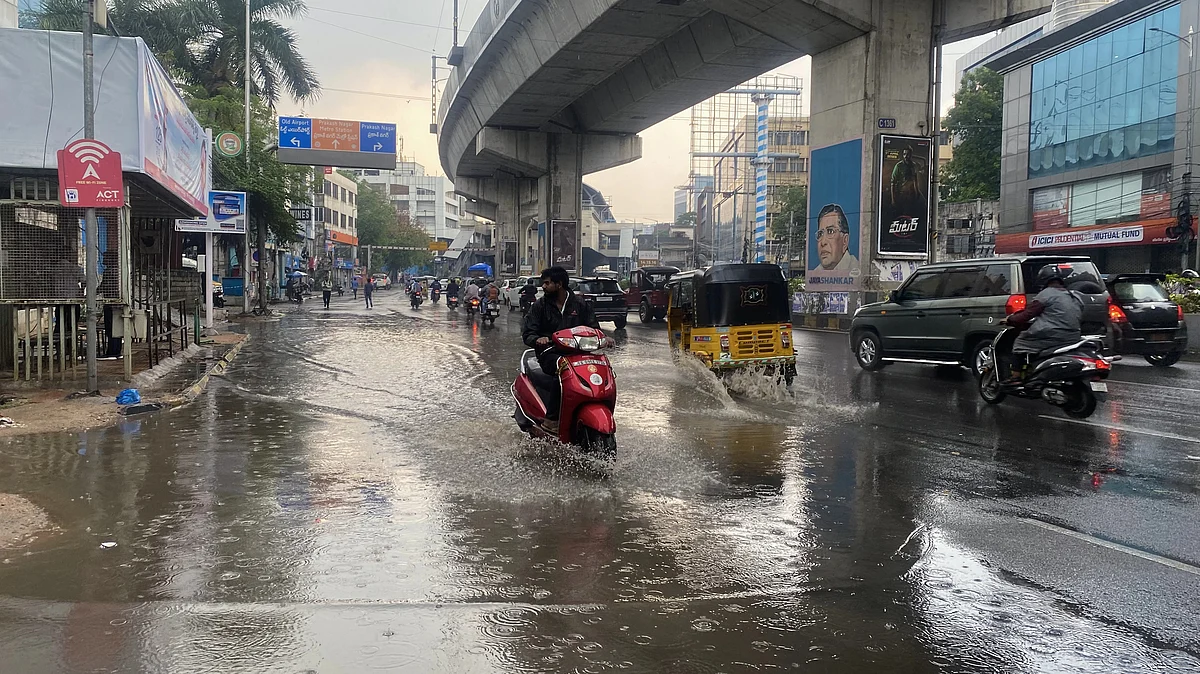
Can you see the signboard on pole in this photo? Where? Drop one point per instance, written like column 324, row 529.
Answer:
column 905, row 172
column 564, row 244
column 336, row 142
column 89, row 175
column 227, row 214
column 509, row 263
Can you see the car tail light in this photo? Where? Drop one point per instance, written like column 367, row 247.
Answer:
column 724, row 342
column 1014, row 304
column 1115, row 313
column 1179, row 311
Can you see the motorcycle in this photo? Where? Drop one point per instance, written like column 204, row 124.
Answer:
column 415, row 299
column 1071, row 377
column 491, row 314
column 526, row 303
column 472, row 306
column 588, row 393
column 435, row 295
column 452, row 302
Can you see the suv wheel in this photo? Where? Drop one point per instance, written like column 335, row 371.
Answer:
column 868, row 351
column 1164, row 359
column 644, row 314
column 981, row 354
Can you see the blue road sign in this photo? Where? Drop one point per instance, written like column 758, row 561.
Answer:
column 296, row 132
column 375, row 137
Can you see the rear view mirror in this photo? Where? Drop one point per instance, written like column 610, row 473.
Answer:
column 895, row 297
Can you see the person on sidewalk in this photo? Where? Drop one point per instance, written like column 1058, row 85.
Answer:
column 368, row 290
column 326, row 291
column 354, row 285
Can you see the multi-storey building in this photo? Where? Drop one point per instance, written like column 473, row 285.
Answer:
column 430, row 201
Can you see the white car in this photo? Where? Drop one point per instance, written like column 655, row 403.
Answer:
column 382, row 281
column 511, row 291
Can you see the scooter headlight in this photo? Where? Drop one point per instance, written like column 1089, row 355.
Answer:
column 587, row 343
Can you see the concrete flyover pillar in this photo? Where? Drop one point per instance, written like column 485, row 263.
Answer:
column 858, row 87
column 541, row 181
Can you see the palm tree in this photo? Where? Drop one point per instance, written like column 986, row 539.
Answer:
column 202, row 42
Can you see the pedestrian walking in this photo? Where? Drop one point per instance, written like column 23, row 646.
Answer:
column 368, row 290
column 326, row 291
column 354, row 285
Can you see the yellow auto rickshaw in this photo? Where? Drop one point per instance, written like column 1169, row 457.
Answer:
column 733, row 316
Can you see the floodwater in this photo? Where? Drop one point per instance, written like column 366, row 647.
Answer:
column 354, row 496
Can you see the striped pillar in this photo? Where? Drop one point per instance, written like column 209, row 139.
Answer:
column 761, row 161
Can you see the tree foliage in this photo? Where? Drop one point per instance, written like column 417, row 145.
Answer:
column 977, row 123
column 203, row 42
column 271, row 186
column 686, row 219
column 793, row 210
column 380, row 225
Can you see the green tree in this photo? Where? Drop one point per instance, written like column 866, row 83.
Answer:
column 380, row 225
column 976, row 121
column 686, row 219
column 202, row 42
column 793, row 210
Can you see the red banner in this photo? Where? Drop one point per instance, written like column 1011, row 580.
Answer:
column 1143, row 232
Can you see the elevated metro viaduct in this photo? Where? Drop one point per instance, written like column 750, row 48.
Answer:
column 551, row 90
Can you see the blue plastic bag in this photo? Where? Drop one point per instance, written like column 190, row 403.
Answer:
column 129, row 396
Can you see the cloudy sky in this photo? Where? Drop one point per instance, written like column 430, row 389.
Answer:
column 373, row 59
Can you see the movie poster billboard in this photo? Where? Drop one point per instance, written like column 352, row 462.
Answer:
column 834, row 217
column 509, row 265
column 905, row 179
column 564, row 244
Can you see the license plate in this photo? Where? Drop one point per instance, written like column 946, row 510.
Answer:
column 1099, row 386
column 604, row 299
column 1161, row 337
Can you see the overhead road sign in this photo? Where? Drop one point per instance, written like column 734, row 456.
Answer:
column 337, row 142
column 439, row 246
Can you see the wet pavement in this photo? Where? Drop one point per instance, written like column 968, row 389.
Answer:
column 354, row 496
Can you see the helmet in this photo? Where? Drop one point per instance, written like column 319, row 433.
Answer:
column 1048, row 273
column 1190, row 273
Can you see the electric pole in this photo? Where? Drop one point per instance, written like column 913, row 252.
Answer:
column 91, row 230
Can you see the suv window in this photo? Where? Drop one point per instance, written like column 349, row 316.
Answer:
column 1081, row 277
column 923, row 286
column 961, row 282
column 996, row 281
column 599, row 287
column 1140, row 290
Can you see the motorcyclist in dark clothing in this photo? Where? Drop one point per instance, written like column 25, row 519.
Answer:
column 558, row 309
column 529, row 293
column 1059, row 314
column 452, row 288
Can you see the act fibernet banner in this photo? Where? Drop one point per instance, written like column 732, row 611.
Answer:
column 834, row 217
column 905, row 180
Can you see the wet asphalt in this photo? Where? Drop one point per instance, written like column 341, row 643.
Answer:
column 354, row 496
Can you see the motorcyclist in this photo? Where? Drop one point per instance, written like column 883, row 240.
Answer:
column 558, row 309
column 435, row 285
column 452, row 288
column 472, row 292
column 491, row 292
column 529, row 292
column 415, row 286
column 1059, row 314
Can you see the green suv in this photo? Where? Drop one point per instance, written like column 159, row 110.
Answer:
column 948, row 313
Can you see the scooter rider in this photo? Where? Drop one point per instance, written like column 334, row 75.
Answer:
column 558, row 309
column 452, row 288
column 529, row 293
column 1059, row 314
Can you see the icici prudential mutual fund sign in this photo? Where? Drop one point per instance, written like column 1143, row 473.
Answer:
column 89, row 175
column 1091, row 237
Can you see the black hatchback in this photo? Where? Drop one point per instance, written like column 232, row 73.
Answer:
column 606, row 298
column 1145, row 322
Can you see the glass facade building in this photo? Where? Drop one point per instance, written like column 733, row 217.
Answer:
column 1108, row 99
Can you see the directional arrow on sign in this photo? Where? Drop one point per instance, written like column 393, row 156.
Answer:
column 335, row 143
column 296, row 142
column 378, row 147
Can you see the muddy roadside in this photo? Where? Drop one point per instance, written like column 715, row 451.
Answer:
column 20, row 520
column 60, row 408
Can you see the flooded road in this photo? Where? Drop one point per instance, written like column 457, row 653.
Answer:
column 354, row 496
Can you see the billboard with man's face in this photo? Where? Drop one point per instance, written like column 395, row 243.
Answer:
column 834, row 217
column 905, row 177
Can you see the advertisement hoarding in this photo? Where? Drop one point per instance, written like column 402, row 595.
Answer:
column 904, row 184
column 564, row 244
column 175, row 148
column 1051, row 207
column 509, row 264
column 227, row 214
column 834, row 217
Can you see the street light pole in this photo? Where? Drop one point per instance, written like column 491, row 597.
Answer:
column 246, row 145
column 91, row 228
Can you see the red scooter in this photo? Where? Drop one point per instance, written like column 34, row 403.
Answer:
column 589, row 393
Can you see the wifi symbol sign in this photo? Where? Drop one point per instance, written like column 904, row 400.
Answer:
column 90, row 175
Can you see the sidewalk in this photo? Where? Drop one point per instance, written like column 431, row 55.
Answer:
column 56, row 406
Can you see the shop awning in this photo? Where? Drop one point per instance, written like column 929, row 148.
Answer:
column 1141, row 233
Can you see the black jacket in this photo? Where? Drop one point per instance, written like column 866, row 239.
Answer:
column 543, row 319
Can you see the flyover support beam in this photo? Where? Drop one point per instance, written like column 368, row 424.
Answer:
column 541, row 182
column 885, row 74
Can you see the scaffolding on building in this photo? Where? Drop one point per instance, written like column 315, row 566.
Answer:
column 721, row 172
